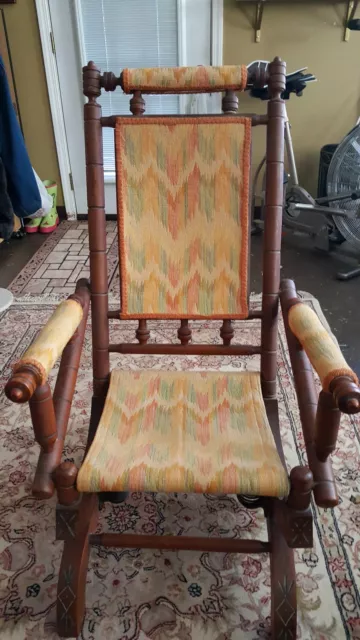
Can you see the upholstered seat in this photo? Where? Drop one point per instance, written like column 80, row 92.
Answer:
column 184, row 431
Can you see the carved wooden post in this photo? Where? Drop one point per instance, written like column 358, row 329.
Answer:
column 142, row 332
column 301, row 482
column 272, row 233
column 65, row 482
column 184, row 332
column 43, row 417
column 230, row 102
column 227, row 332
column 137, row 104
column 97, row 229
column 326, row 425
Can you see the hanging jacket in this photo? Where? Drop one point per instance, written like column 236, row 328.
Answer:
column 21, row 183
column 6, row 210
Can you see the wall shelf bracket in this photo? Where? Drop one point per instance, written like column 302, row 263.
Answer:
column 258, row 19
column 352, row 5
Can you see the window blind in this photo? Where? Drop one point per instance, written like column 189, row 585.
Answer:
column 130, row 33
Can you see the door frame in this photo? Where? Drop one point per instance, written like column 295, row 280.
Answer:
column 54, row 91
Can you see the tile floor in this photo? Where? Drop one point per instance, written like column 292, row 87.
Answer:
column 62, row 260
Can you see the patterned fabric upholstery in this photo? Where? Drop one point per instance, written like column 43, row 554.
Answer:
column 53, row 338
column 185, row 79
column 323, row 353
column 184, row 431
column 183, row 190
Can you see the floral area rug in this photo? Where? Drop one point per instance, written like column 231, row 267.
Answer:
column 157, row 595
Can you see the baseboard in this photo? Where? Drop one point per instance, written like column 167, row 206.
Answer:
column 61, row 212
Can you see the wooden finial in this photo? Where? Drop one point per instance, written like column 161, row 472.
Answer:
column 227, row 332
column 91, row 81
column 302, row 482
column 277, row 77
column 142, row 332
column 22, row 384
column 65, row 482
column 137, row 104
column 346, row 394
column 230, row 102
column 184, row 332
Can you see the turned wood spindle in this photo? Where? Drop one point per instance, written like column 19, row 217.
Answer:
column 142, row 332
column 137, row 104
column 301, row 482
column 326, row 425
column 65, row 482
column 272, row 231
column 230, row 102
column 227, row 332
column 184, row 332
column 43, row 417
column 97, row 227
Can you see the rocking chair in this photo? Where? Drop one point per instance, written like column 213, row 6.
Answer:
column 183, row 219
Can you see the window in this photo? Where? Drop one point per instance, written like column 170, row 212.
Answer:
column 132, row 33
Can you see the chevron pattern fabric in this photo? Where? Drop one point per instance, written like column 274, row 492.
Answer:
column 185, row 79
column 183, row 191
column 186, row 432
column 323, row 352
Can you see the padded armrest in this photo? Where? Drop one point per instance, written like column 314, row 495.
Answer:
column 52, row 339
column 323, row 353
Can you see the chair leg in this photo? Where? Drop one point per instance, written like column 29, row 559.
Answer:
column 73, row 570
column 283, row 580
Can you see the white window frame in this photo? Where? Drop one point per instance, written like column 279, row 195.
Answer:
column 53, row 84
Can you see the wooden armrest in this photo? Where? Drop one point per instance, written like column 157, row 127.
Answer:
column 325, row 356
column 34, row 367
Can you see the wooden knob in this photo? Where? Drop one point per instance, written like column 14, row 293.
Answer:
column 346, row 394
column 22, row 384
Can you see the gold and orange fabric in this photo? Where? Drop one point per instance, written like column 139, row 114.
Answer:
column 184, row 431
column 183, row 210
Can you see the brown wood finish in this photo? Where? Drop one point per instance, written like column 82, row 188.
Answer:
column 189, row 349
column 97, row 227
column 184, row 332
column 137, row 104
column 142, row 332
column 283, row 579
column 227, row 332
column 65, row 481
column 272, row 231
column 230, row 102
column 302, row 482
column 324, row 485
column 327, row 425
column 43, row 485
column 70, row 603
column 183, row 543
column 43, row 417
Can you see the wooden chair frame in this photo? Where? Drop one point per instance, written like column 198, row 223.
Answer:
column 289, row 521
